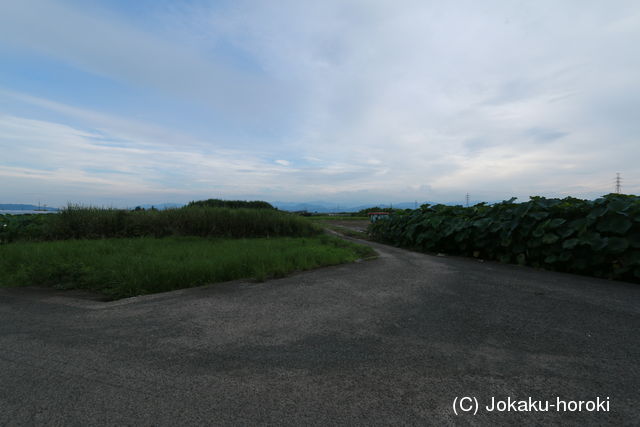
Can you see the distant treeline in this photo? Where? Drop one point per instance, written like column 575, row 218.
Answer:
column 365, row 212
column 233, row 204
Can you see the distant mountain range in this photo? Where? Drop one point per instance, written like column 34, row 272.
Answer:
column 313, row 206
column 326, row 207
column 20, row 207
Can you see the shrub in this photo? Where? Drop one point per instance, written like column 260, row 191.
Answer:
column 77, row 222
column 599, row 238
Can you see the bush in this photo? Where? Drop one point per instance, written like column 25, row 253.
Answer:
column 599, row 238
column 27, row 227
column 76, row 222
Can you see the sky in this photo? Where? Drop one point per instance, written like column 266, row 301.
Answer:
column 123, row 102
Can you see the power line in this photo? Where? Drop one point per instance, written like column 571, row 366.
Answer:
column 618, row 183
column 467, row 199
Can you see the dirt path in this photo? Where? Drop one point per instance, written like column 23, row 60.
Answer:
column 385, row 342
column 356, row 225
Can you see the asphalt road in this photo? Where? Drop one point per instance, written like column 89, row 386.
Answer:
column 391, row 341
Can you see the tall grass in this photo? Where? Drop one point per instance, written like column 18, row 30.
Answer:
column 121, row 268
column 77, row 222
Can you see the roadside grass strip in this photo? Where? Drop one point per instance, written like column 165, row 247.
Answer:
column 125, row 267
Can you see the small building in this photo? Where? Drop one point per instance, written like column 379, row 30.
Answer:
column 374, row 216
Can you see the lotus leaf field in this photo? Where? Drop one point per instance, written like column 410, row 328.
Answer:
column 592, row 237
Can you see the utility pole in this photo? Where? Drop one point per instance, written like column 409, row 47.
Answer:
column 467, row 199
column 618, row 183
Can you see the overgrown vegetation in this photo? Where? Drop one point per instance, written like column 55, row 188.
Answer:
column 123, row 253
column 599, row 238
column 27, row 227
column 76, row 222
column 231, row 204
column 122, row 268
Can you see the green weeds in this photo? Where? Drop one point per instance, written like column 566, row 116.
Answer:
column 127, row 267
column 76, row 222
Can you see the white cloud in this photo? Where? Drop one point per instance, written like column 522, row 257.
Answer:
column 373, row 99
column 99, row 42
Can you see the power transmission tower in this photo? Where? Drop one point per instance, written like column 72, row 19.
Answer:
column 467, row 199
column 618, row 183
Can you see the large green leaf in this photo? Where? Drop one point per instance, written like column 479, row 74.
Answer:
column 619, row 205
column 422, row 237
column 538, row 232
column 634, row 240
column 556, row 222
column 579, row 224
column 614, row 224
column 436, row 221
column 549, row 238
column 570, row 244
column 482, row 223
column 534, row 243
column 595, row 240
column 597, row 212
column 565, row 256
column 617, row 244
column 566, row 232
column 538, row 215
column 632, row 258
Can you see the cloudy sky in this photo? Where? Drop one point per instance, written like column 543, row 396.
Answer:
column 350, row 101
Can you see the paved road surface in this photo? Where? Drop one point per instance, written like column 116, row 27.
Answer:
column 386, row 342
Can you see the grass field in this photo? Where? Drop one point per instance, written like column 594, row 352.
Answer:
column 126, row 267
